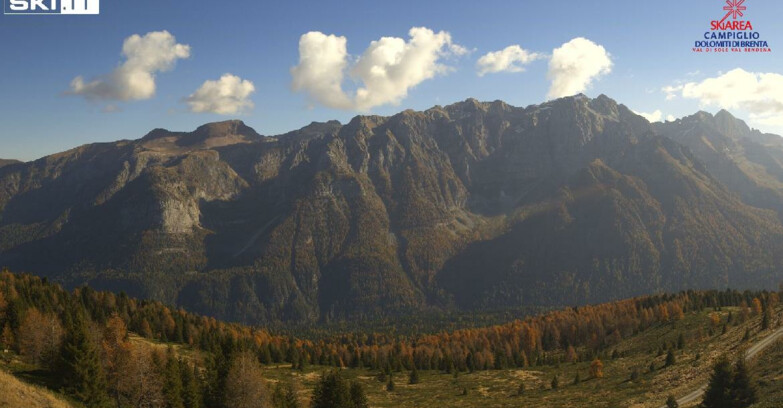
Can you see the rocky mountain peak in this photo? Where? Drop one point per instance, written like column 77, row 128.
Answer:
column 217, row 130
column 447, row 207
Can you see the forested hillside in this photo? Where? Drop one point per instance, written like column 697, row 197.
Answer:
column 103, row 349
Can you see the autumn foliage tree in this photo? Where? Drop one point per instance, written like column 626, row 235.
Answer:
column 245, row 384
column 40, row 337
column 596, row 369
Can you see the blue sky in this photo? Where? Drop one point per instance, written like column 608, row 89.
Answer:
column 649, row 44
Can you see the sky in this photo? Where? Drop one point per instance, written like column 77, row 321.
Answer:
column 144, row 64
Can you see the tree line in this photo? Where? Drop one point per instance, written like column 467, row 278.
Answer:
column 83, row 337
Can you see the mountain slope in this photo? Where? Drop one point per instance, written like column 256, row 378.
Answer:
column 474, row 205
column 747, row 161
column 15, row 393
column 6, row 162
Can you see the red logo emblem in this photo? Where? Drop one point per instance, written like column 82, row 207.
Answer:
column 734, row 9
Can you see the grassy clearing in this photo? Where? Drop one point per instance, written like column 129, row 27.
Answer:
column 16, row 394
column 769, row 374
column 498, row 388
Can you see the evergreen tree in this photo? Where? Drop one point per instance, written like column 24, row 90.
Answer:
column 331, row 391
column 414, row 376
column 284, row 396
column 358, row 397
column 521, row 389
column 671, row 402
column 670, row 358
column 718, row 394
column 390, row 384
column 577, row 379
column 191, row 389
column 470, row 362
column 555, row 382
column 83, row 375
column 743, row 391
column 172, row 375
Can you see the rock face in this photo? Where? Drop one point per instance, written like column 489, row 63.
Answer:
column 747, row 161
column 472, row 205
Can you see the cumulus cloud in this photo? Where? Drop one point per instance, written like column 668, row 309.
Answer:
column 385, row 71
column 670, row 118
column 510, row 59
column 651, row 117
column 760, row 94
column 134, row 79
column 575, row 65
column 322, row 63
column 671, row 91
column 228, row 95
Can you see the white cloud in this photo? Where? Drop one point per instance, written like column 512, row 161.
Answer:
column 760, row 94
column 510, row 59
column 134, row 79
column 575, row 65
column 322, row 63
column 670, row 118
column 671, row 91
column 385, row 71
column 651, row 117
column 228, row 95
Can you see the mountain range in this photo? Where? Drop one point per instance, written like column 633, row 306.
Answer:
column 468, row 206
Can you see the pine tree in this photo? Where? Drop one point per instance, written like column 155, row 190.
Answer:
column 191, row 389
column 284, row 396
column 82, row 371
column 555, row 382
column 331, row 391
column 743, row 391
column 173, row 381
column 670, row 358
column 671, row 402
column 718, row 394
column 390, row 384
column 358, row 397
column 414, row 376
column 577, row 379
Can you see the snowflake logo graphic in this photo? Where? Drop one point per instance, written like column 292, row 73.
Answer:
column 734, row 9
